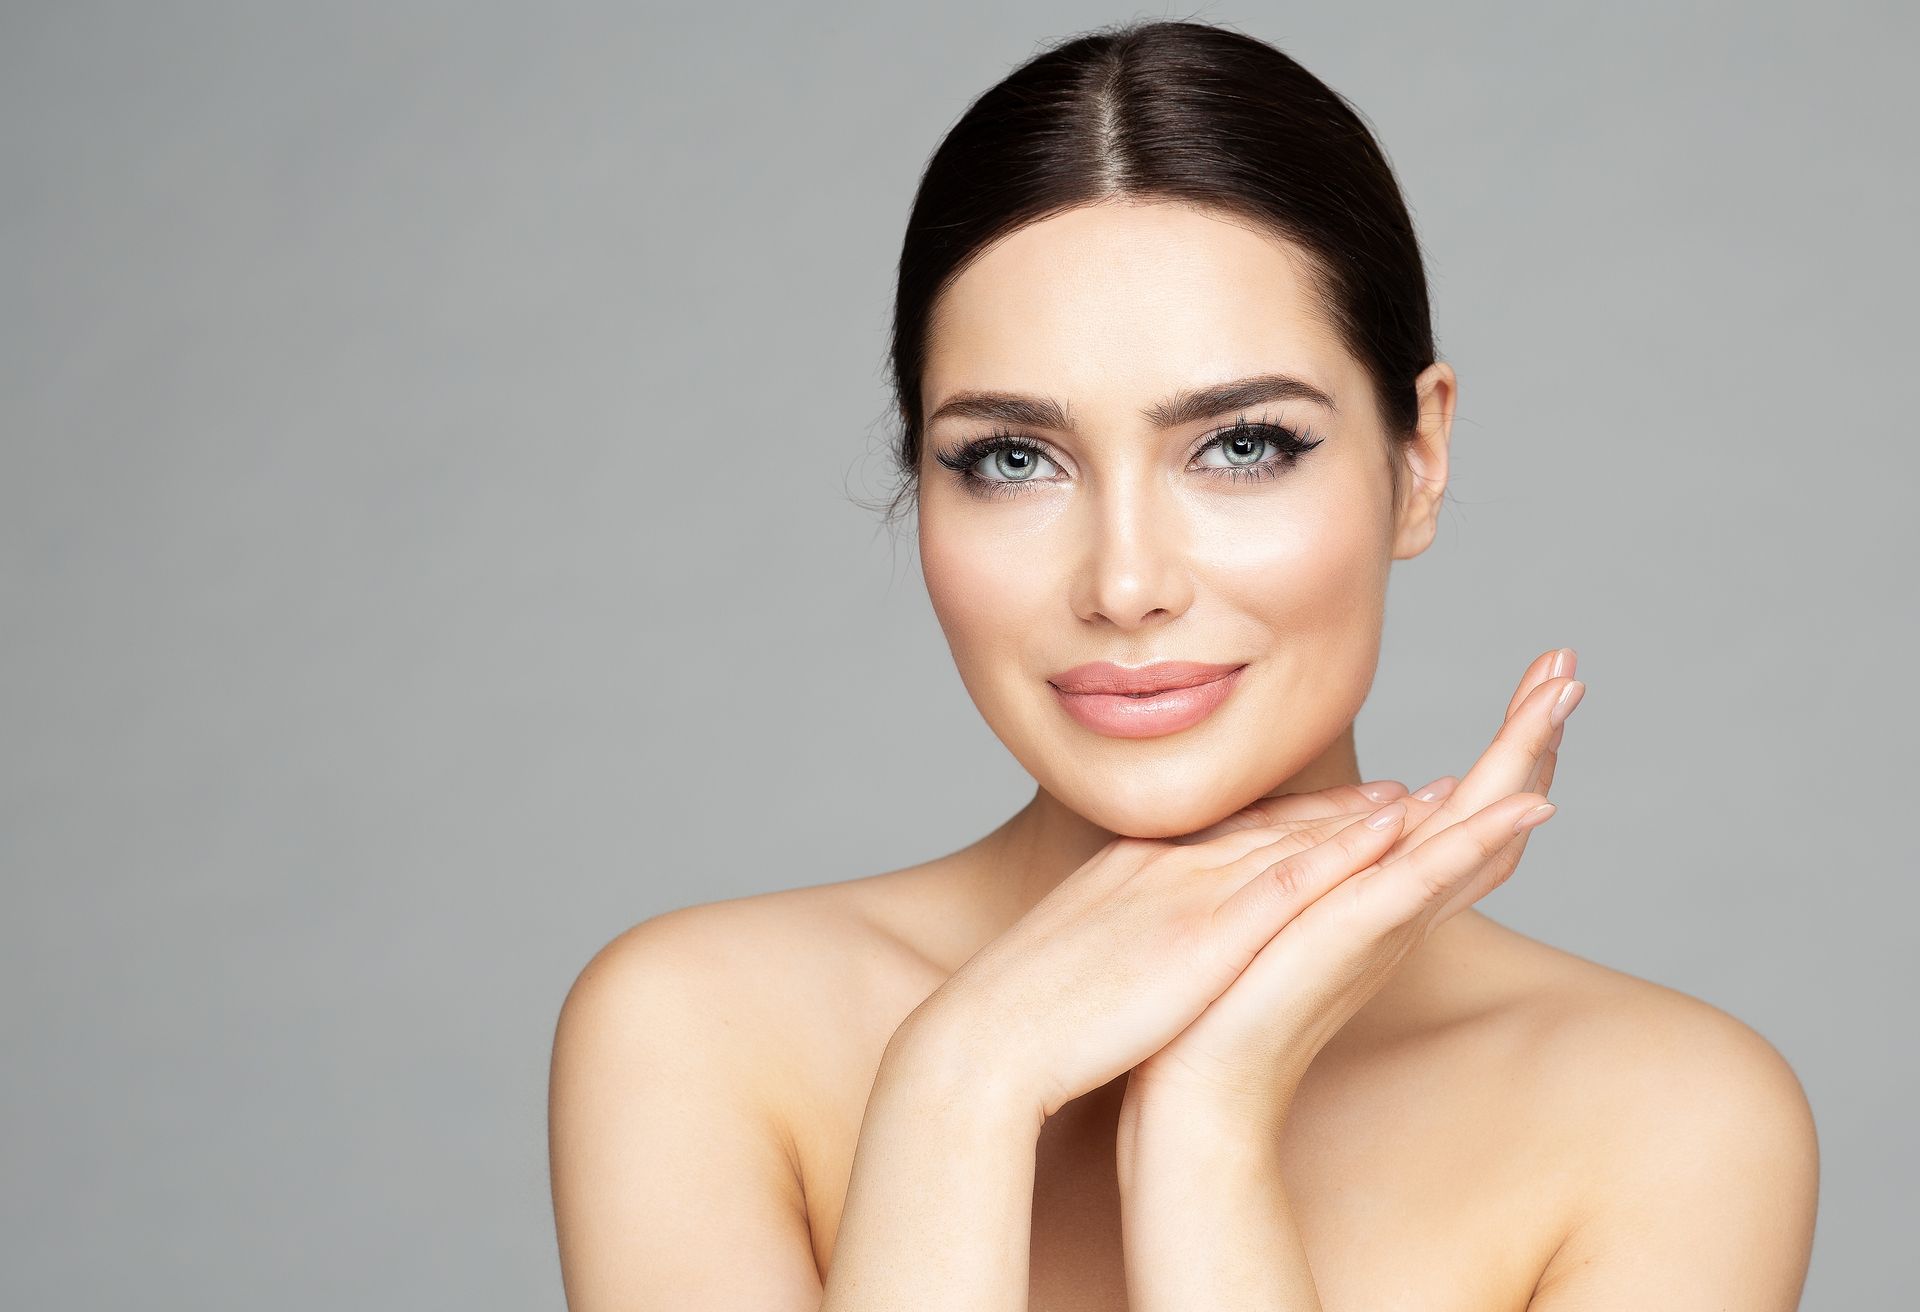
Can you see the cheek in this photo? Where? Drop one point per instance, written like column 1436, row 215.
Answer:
column 1315, row 573
column 1312, row 584
column 984, row 585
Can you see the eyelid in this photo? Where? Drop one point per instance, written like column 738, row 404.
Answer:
column 1244, row 420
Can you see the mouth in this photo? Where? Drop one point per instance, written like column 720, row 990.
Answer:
column 1147, row 702
column 1140, row 680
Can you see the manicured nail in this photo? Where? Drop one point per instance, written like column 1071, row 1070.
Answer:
column 1563, row 662
column 1538, row 816
column 1383, row 790
column 1386, row 815
column 1563, row 705
column 1436, row 790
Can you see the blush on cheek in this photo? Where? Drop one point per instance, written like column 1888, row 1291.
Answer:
column 1300, row 569
column 1314, row 588
column 992, row 599
column 975, row 585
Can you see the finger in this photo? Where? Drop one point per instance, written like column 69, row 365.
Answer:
column 1336, row 799
column 1507, row 765
column 1407, row 888
column 1543, row 768
column 1277, row 809
column 1287, row 837
column 1268, row 892
column 1502, row 864
column 1556, row 664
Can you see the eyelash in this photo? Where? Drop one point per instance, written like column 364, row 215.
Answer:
column 1290, row 445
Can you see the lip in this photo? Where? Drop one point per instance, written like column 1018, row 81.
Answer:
column 1144, row 702
column 1106, row 677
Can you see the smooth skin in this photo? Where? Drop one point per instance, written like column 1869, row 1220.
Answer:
column 1183, row 1031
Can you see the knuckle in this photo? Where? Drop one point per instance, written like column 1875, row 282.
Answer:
column 1285, row 879
column 1494, row 840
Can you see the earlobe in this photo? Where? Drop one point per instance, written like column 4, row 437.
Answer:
column 1424, row 478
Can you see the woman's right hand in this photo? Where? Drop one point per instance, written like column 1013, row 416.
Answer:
column 1126, row 951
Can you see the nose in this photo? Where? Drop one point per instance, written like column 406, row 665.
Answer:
column 1133, row 566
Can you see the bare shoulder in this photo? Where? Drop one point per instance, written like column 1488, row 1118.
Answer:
column 745, row 965
column 1639, row 1051
column 733, row 945
column 1692, row 1139
column 681, row 1054
column 775, row 984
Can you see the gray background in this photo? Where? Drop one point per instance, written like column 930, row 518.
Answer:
column 423, row 422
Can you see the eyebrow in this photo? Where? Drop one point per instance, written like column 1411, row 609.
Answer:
column 1180, row 408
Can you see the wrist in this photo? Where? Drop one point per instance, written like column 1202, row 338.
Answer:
column 1169, row 1118
column 945, row 1062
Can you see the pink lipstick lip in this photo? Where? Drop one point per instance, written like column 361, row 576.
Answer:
column 1161, row 676
column 1149, row 715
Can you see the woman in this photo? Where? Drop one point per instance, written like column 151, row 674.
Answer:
column 1211, row 1022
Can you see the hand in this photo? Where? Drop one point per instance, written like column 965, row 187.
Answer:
column 1355, row 902
column 1108, row 967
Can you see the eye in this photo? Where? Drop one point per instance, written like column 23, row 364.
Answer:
column 1013, row 461
column 1244, row 445
column 1254, row 452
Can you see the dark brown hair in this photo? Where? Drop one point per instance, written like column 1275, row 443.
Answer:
column 1183, row 112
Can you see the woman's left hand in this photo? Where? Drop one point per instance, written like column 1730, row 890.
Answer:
column 1246, row 1053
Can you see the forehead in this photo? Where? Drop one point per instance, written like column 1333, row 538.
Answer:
column 1116, row 304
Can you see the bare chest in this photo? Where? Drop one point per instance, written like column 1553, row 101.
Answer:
column 1416, row 1185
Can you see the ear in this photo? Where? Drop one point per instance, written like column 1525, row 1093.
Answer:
column 1417, row 516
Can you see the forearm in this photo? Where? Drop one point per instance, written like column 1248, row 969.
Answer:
column 1204, row 1217
column 939, row 1206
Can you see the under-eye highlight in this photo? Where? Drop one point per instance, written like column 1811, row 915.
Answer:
column 1285, row 444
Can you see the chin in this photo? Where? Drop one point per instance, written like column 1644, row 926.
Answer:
column 1158, row 812
column 1134, row 825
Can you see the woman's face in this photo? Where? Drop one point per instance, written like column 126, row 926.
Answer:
column 1134, row 529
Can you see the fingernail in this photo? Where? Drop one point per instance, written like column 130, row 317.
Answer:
column 1563, row 706
column 1538, row 816
column 1563, row 662
column 1436, row 790
column 1383, row 790
column 1386, row 815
